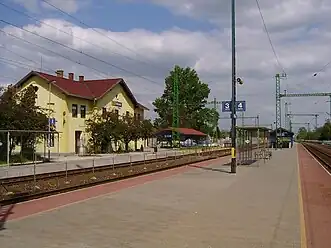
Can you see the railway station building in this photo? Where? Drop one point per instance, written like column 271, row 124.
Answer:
column 71, row 102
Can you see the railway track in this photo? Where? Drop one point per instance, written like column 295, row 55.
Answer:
column 71, row 172
column 14, row 190
column 321, row 152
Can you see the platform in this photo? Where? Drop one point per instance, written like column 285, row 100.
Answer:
column 192, row 206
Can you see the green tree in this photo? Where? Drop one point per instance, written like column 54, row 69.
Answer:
column 325, row 132
column 193, row 95
column 302, row 133
column 128, row 130
column 103, row 130
column 18, row 111
column 147, row 129
column 224, row 133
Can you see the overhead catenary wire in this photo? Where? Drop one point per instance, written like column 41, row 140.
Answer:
column 80, row 52
column 8, row 77
column 16, row 63
column 269, row 38
column 55, row 53
column 23, row 57
column 29, row 67
column 322, row 69
column 100, row 33
column 68, row 33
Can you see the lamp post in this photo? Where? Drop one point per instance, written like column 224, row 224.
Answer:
column 233, row 101
column 49, row 122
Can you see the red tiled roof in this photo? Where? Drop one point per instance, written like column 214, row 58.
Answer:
column 87, row 89
column 185, row 131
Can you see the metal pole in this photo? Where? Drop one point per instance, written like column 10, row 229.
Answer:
column 278, row 109
column 49, row 122
column 58, row 144
column 8, row 148
column 233, row 102
column 258, row 133
column 330, row 108
column 34, row 166
column 316, row 122
column 216, row 121
column 286, row 115
column 93, row 168
column 66, row 169
column 290, row 122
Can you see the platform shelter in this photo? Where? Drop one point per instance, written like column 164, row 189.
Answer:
column 188, row 135
column 285, row 138
column 252, row 144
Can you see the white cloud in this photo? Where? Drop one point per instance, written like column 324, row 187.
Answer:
column 281, row 13
column 300, row 35
column 70, row 6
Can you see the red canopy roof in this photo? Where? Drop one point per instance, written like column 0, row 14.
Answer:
column 185, row 131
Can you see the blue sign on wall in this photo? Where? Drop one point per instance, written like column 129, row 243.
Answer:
column 52, row 121
column 240, row 106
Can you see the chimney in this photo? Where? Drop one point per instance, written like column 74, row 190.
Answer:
column 81, row 78
column 71, row 76
column 59, row 73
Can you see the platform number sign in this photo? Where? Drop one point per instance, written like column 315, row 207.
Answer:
column 226, row 106
column 240, row 106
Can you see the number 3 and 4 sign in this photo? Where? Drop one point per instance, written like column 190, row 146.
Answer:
column 240, row 106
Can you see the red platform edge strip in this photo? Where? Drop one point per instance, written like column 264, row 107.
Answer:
column 316, row 196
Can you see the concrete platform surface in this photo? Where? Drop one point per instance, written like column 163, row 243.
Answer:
column 201, row 207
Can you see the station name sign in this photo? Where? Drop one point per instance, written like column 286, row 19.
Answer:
column 117, row 104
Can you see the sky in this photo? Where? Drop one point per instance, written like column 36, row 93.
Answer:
column 142, row 40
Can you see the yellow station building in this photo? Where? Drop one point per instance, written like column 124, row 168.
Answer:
column 71, row 102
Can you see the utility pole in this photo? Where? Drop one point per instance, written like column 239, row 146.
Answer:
column 49, row 121
column 278, row 106
column 316, row 123
column 216, row 120
column 287, row 115
column 286, row 112
column 329, row 108
column 290, row 122
column 175, row 109
column 233, row 101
